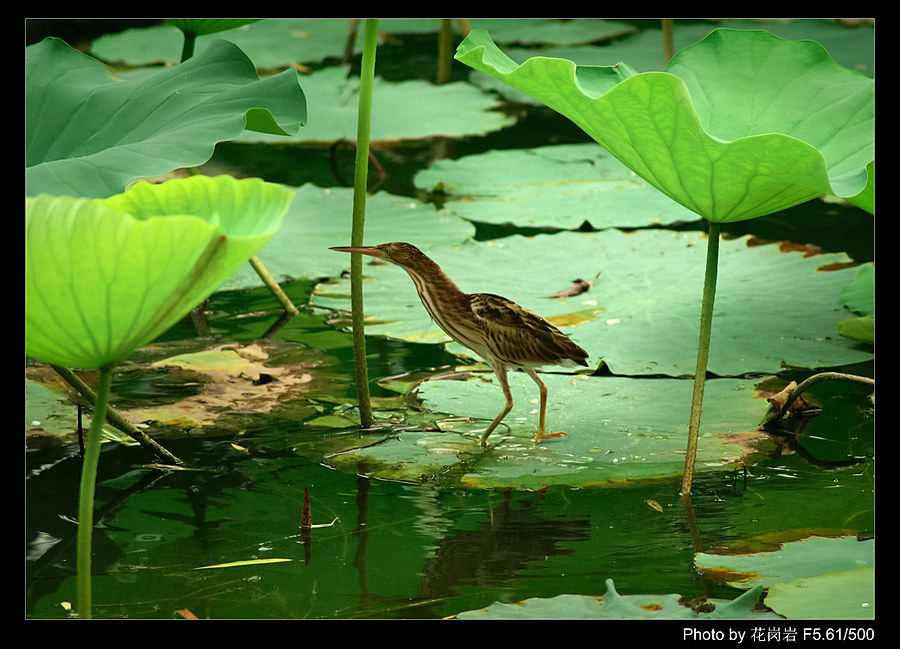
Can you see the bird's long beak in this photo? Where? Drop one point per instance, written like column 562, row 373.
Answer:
column 372, row 251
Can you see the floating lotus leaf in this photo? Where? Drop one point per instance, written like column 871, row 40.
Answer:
column 814, row 577
column 562, row 186
column 320, row 218
column 859, row 297
column 613, row 606
column 640, row 315
column 620, row 431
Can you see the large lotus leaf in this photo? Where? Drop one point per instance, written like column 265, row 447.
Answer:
column 741, row 124
column 825, row 578
column 845, row 595
column 88, row 133
column 560, row 186
column 543, row 31
column 320, row 218
column 641, row 314
column 406, row 109
column 859, row 297
column 278, row 42
column 105, row 276
column 613, row 606
column 268, row 43
column 619, row 429
column 205, row 26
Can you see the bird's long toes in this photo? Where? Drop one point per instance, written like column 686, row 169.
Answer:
column 541, row 436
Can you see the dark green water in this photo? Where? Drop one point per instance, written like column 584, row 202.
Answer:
column 405, row 550
column 396, row 550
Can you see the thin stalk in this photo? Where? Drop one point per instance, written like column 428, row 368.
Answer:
column 445, row 50
column 86, row 493
column 815, row 378
column 115, row 418
column 273, row 285
column 706, row 313
column 668, row 39
column 360, row 189
column 187, row 50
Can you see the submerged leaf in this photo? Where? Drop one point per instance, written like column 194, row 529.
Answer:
column 230, row 378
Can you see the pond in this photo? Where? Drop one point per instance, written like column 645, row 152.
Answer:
column 221, row 535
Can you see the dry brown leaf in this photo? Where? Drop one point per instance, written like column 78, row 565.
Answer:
column 779, row 400
column 578, row 287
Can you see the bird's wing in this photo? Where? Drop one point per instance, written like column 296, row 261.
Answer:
column 518, row 336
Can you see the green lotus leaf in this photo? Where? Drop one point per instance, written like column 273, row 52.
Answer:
column 640, row 315
column 861, row 329
column 560, row 185
column 88, row 133
column 741, row 124
column 613, row 606
column 618, row 430
column 859, row 295
column 203, row 26
column 104, row 277
column 845, row 595
column 812, row 578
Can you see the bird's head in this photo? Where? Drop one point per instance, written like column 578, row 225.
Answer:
column 398, row 252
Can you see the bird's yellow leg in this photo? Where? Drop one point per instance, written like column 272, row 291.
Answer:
column 500, row 371
column 543, row 420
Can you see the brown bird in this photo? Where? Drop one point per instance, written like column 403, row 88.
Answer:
column 499, row 330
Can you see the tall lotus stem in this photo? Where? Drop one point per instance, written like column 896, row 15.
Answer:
column 360, row 188
column 86, row 494
column 709, row 298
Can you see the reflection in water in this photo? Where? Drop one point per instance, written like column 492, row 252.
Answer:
column 513, row 537
column 400, row 550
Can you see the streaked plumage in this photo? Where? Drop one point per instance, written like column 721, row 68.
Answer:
column 499, row 330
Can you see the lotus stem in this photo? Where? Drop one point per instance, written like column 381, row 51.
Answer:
column 360, row 190
column 86, row 493
column 115, row 418
column 445, row 50
column 815, row 378
column 187, row 49
column 273, row 285
column 706, row 312
column 668, row 39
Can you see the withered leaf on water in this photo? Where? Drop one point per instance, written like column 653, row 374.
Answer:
column 578, row 287
column 779, row 400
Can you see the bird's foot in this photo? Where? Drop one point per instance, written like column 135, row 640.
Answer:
column 539, row 436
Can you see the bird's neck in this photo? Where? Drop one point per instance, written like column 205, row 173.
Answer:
column 434, row 286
